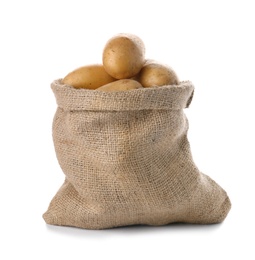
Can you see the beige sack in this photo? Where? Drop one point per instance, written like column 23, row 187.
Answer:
column 127, row 160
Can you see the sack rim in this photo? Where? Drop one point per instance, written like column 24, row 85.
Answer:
column 172, row 97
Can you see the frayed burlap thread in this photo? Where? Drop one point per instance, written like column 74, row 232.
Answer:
column 127, row 160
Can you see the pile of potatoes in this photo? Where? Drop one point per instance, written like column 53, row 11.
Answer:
column 124, row 68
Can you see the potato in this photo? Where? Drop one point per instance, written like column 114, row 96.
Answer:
column 90, row 77
column 121, row 85
column 154, row 74
column 123, row 56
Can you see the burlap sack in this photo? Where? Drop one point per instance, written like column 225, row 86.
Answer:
column 127, row 160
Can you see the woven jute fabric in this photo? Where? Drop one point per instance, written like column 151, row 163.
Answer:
column 127, row 160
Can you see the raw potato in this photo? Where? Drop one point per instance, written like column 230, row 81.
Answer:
column 156, row 74
column 90, row 77
column 121, row 85
column 123, row 56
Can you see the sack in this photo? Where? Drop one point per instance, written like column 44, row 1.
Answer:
column 127, row 160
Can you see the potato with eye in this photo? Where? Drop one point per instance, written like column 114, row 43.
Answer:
column 90, row 77
column 121, row 85
column 124, row 56
column 155, row 74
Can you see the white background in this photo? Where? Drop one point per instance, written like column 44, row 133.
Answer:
column 210, row 43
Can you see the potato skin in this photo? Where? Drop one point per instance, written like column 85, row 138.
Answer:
column 155, row 74
column 89, row 77
column 124, row 56
column 121, row 85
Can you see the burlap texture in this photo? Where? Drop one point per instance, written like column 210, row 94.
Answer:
column 127, row 160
